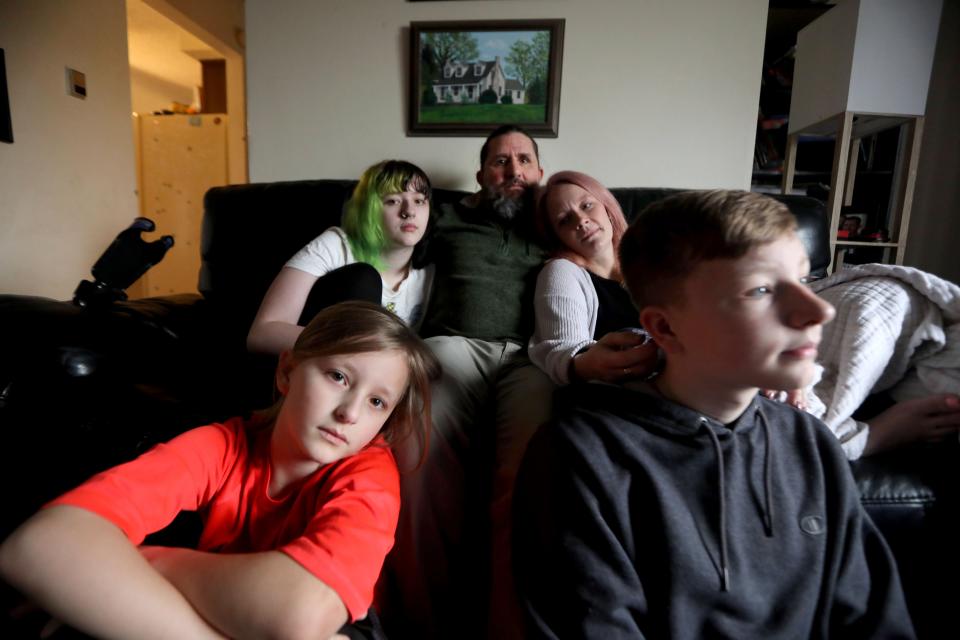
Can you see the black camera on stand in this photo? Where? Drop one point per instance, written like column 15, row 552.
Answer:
column 126, row 259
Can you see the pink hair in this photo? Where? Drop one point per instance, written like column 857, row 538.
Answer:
column 618, row 224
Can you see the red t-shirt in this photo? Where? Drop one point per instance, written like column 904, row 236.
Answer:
column 338, row 523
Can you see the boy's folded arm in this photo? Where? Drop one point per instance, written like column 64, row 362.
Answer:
column 263, row 594
column 83, row 570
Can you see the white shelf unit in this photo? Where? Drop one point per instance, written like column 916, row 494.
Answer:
column 848, row 129
column 863, row 67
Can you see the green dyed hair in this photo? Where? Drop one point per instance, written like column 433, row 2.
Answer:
column 363, row 218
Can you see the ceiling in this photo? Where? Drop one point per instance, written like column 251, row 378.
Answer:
column 160, row 48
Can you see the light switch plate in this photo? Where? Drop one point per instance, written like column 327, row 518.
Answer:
column 76, row 83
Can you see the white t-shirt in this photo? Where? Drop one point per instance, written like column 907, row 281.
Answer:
column 331, row 250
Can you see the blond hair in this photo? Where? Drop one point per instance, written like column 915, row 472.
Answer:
column 672, row 236
column 364, row 327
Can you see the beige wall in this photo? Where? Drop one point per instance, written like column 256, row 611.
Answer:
column 218, row 22
column 654, row 92
column 164, row 59
column 149, row 92
column 935, row 224
column 67, row 183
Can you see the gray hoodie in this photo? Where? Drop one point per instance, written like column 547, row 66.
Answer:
column 637, row 517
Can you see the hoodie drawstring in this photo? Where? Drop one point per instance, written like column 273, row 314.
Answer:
column 724, row 574
column 767, row 477
column 721, row 486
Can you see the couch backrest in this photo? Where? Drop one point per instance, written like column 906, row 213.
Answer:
column 811, row 217
column 251, row 230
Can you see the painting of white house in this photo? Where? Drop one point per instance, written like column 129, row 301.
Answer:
column 484, row 77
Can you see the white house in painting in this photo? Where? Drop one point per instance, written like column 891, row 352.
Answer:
column 463, row 82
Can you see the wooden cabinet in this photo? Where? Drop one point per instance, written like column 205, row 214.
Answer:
column 179, row 157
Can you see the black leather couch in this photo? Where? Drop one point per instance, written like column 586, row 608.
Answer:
column 84, row 388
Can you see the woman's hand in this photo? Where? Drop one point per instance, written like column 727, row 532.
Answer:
column 617, row 356
column 794, row 398
column 928, row 419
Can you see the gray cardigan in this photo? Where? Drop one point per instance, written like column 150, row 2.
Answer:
column 565, row 306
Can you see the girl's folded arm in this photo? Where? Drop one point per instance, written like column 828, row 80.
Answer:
column 264, row 594
column 84, row 571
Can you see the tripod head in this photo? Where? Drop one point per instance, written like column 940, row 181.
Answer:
column 127, row 258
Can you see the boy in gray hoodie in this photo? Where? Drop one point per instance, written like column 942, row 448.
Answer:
column 689, row 506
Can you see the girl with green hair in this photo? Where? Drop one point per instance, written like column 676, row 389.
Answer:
column 377, row 255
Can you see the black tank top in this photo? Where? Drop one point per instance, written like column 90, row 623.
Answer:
column 615, row 309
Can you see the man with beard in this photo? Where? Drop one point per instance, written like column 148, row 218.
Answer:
column 489, row 402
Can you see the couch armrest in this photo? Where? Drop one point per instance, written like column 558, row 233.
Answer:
column 137, row 340
column 180, row 352
column 85, row 388
column 911, row 494
column 154, row 352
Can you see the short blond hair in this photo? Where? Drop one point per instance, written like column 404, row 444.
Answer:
column 672, row 236
column 364, row 327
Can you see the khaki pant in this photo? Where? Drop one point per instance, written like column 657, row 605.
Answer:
column 489, row 399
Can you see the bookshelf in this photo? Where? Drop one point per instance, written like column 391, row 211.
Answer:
column 785, row 19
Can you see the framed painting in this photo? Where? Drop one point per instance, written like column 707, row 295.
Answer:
column 469, row 77
column 6, row 126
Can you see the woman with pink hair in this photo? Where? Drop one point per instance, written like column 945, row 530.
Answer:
column 586, row 324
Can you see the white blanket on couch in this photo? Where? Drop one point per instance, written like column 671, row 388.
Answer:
column 897, row 330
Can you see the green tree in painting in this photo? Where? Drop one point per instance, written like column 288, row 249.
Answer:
column 428, row 97
column 489, row 96
column 437, row 50
column 523, row 64
column 447, row 46
column 529, row 63
column 541, row 49
column 537, row 91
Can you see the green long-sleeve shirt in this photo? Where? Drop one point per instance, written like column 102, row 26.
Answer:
column 486, row 272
